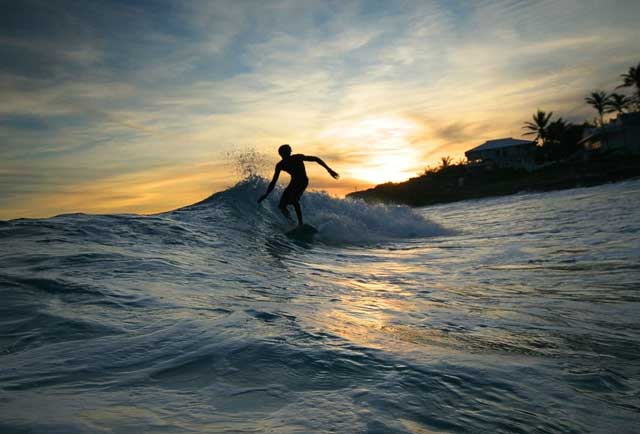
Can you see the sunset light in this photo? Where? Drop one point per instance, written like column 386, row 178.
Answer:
column 319, row 217
column 385, row 144
column 134, row 96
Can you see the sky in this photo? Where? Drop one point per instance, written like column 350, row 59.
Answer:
column 133, row 106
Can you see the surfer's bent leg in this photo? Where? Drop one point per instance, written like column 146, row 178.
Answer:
column 284, row 201
column 296, row 194
column 291, row 196
column 296, row 205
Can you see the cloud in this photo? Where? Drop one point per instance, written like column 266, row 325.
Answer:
column 146, row 191
column 142, row 89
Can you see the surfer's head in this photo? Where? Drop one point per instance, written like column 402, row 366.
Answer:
column 284, row 151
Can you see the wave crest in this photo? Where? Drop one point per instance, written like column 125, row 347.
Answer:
column 339, row 221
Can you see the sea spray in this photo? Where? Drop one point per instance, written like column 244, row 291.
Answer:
column 339, row 221
column 249, row 162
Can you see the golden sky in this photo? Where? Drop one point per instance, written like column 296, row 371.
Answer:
column 134, row 107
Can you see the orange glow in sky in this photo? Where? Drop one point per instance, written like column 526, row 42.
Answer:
column 385, row 143
column 113, row 109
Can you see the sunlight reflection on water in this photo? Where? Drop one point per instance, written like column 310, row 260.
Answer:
column 523, row 317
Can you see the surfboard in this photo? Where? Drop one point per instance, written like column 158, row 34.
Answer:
column 302, row 233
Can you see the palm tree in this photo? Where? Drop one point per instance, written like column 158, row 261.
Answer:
column 632, row 79
column 556, row 131
column 599, row 100
column 538, row 126
column 618, row 103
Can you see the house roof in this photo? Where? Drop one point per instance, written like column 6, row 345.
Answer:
column 500, row 143
column 598, row 132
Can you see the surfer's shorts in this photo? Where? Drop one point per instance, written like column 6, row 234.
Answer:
column 293, row 192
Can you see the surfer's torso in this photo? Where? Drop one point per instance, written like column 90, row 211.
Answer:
column 294, row 166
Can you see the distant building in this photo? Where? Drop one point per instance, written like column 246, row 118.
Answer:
column 507, row 152
column 621, row 134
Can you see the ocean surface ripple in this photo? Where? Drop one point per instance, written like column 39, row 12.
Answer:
column 518, row 314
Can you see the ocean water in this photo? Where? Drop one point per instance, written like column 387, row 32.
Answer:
column 518, row 314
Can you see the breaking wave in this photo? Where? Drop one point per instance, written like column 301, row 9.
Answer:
column 339, row 221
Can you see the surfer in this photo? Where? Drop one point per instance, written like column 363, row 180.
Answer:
column 294, row 166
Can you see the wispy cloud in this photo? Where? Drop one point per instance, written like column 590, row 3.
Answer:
column 156, row 93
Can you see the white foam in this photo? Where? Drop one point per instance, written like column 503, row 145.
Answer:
column 355, row 221
column 339, row 221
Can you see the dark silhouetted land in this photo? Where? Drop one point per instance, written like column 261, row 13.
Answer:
column 463, row 181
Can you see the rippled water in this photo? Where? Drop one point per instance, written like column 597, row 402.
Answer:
column 515, row 314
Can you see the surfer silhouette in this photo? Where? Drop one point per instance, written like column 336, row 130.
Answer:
column 294, row 166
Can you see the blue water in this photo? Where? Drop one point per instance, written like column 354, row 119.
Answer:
column 503, row 315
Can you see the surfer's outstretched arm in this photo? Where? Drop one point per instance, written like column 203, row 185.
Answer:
column 272, row 184
column 332, row 172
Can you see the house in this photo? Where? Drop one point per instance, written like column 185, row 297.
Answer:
column 621, row 134
column 502, row 153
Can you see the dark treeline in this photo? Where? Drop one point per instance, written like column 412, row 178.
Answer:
column 559, row 139
column 461, row 181
column 561, row 159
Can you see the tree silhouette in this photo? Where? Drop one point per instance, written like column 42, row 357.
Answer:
column 562, row 139
column 538, row 126
column 632, row 79
column 445, row 162
column 599, row 100
column 556, row 130
column 618, row 103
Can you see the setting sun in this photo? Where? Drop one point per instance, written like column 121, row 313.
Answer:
column 386, row 146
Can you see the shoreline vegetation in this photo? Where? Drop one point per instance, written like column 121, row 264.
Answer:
column 563, row 158
column 458, row 182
